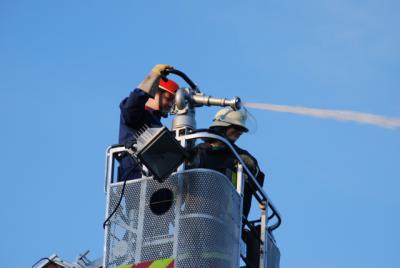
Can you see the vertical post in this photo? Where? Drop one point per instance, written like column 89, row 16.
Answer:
column 108, row 169
column 263, row 228
column 108, row 175
column 181, row 168
column 240, row 190
column 240, row 180
column 178, row 133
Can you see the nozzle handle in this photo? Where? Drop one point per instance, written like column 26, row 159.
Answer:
column 183, row 76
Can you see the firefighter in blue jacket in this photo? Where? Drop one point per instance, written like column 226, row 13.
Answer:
column 146, row 105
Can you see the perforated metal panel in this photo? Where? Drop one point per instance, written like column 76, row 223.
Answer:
column 200, row 229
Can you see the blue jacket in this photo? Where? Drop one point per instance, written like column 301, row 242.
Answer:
column 134, row 116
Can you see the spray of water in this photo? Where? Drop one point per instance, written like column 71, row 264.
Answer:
column 363, row 118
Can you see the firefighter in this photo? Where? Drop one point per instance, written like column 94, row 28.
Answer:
column 146, row 105
column 215, row 155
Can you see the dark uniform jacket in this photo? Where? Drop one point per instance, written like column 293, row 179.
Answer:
column 134, row 115
column 223, row 160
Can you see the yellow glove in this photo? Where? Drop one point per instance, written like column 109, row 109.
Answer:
column 161, row 68
column 152, row 80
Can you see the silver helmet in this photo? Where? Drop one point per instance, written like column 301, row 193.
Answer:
column 227, row 117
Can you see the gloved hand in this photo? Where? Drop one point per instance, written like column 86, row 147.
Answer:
column 250, row 163
column 161, row 68
column 152, row 80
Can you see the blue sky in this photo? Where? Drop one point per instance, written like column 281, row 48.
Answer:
column 65, row 66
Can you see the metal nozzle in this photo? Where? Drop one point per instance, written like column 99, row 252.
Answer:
column 184, row 96
column 186, row 101
column 235, row 103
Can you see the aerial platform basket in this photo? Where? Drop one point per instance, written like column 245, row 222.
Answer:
column 192, row 219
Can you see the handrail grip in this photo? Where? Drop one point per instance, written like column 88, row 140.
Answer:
column 111, row 150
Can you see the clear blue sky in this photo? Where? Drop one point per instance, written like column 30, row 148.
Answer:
column 65, row 65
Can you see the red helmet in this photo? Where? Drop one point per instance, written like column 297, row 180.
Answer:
column 169, row 86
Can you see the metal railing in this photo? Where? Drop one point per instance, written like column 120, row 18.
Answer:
column 259, row 194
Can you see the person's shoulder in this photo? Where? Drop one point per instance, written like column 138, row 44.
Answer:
column 138, row 92
column 198, row 151
column 203, row 146
column 241, row 150
column 133, row 95
column 245, row 152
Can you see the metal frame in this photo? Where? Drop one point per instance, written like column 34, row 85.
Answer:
column 260, row 195
column 262, row 198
